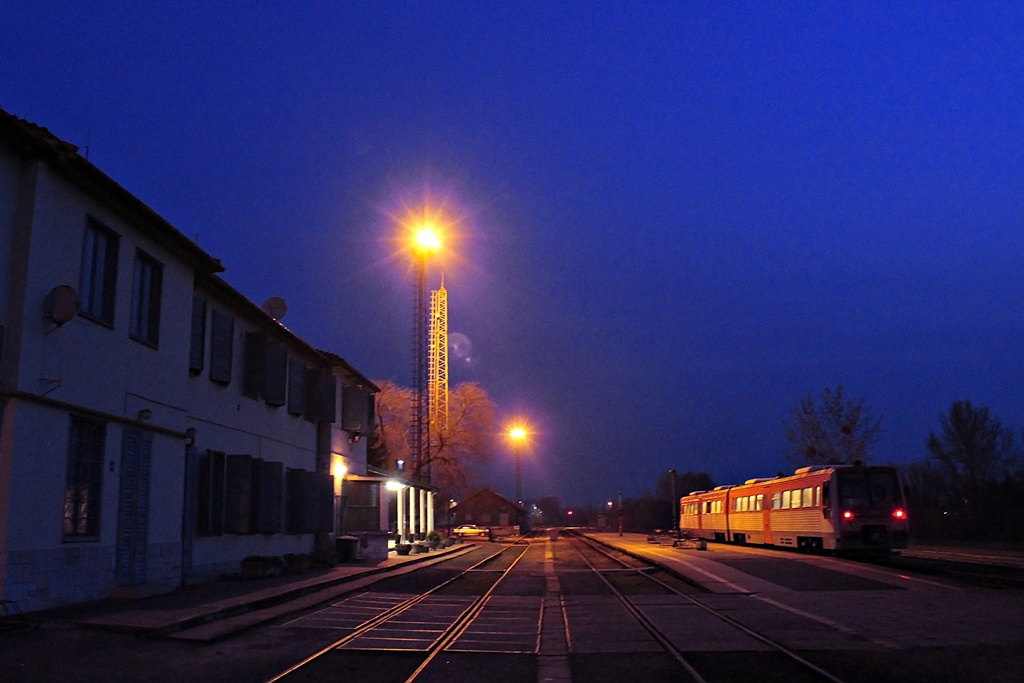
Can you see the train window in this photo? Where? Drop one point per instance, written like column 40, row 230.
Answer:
column 760, row 501
column 796, row 499
column 776, row 500
column 785, row 499
column 808, row 497
column 817, row 496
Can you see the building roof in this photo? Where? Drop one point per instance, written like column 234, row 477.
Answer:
column 349, row 371
column 30, row 141
column 491, row 493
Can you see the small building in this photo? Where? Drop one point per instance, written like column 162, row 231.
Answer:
column 485, row 508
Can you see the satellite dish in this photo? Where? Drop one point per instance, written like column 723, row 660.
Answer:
column 275, row 307
column 61, row 304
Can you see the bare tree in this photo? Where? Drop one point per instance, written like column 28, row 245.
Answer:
column 973, row 454
column 455, row 453
column 834, row 431
column 389, row 443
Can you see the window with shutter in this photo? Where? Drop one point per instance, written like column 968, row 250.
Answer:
column 275, row 386
column 254, row 375
column 267, row 481
column 197, row 340
column 222, row 337
column 320, row 499
column 238, row 494
column 210, row 503
column 329, row 403
column 296, row 387
column 354, row 405
column 295, row 500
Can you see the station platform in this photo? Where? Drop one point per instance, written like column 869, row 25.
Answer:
column 211, row 610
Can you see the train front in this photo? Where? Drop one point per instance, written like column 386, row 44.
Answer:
column 871, row 513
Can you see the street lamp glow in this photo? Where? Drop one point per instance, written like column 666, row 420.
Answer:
column 517, row 433
column 426, row 239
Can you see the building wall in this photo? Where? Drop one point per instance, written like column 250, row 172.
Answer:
column 153, row 409
column 86, row 367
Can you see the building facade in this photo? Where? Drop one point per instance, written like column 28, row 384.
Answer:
column 156, row 427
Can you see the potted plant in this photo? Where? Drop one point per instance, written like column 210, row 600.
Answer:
column 403, row 548
column 433, row 540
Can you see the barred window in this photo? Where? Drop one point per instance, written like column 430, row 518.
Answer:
column 84, row 479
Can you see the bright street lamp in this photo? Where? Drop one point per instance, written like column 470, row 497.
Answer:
column 425, row 241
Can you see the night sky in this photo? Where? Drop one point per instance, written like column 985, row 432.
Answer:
column 668, row 221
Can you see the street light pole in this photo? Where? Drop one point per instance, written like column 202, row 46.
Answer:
column 425, row 242
column 517, row 434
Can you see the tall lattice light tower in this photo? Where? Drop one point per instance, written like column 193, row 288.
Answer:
column 437, row 363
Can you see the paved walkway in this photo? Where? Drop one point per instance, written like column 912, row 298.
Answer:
column 213, row 609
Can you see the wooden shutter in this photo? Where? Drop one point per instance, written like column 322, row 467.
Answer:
column 319, row 502
column 275, row 386
column 222, row 337
column 295, row 500
column 354, row 408
column 267, row 480
column 210, row 505
column 237, row 493
column 254, row 375
column 296, row 387
column 329, row 403
column 197, row 342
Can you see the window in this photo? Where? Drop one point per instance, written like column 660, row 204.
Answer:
column 84, row 479
column 808, row 497
column 776, row 500
column 98, row 282
column 147, row 281
column 760, row 501
column 796, row 498
column 785, row 499
column 197, row 338
column 817, row 496
column 222, row 337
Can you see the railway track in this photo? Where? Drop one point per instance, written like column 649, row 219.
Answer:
column 544, row 611
column 415, row 629
column 625, row 575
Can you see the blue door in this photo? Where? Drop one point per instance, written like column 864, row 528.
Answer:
column 133, row 508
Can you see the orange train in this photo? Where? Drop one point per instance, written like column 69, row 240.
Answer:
column 840, row 508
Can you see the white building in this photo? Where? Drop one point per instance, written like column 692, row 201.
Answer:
column 155, row 425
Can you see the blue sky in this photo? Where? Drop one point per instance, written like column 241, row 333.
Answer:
column 674, row 220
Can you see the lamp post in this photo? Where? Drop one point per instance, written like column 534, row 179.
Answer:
column 425, row 241
column 517, row 435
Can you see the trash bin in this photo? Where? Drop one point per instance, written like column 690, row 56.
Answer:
column 346, row 547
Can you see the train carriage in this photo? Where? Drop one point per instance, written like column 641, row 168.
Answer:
column 844, row 508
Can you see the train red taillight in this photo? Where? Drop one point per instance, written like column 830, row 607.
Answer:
column 847, row 515
column 899, row 514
